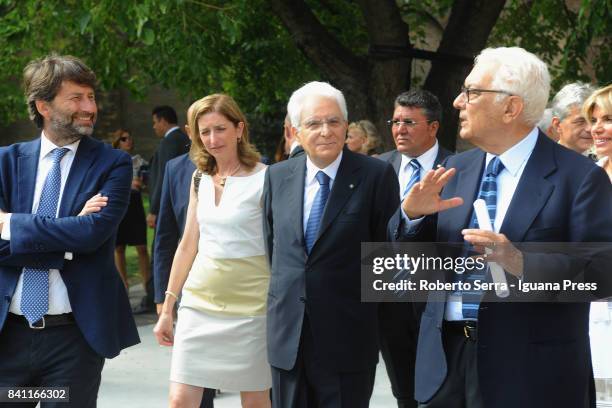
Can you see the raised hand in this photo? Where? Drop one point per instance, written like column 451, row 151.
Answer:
column 424, row 197
column 94, row 204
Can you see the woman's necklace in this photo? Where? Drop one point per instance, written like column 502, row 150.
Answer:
column 222, row 179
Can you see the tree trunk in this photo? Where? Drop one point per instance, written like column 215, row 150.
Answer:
column 466, row 33
column 371, row 84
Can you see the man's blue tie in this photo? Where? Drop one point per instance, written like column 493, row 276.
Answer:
column 35, row 291
column 414, row 178
column 488, row 192
column 314, row 219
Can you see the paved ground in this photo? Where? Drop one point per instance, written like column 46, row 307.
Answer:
column 138, row 378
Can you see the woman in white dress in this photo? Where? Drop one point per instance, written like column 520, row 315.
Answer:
column 220, row 266
column 598, row 111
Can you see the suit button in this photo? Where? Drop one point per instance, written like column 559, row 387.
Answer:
column 7, row 298
column 302, row 299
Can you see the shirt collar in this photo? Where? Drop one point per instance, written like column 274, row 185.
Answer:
column 46, row 145
column 426, row 160
column 172, row 129
column 513, row 158
column 294, row 146
column 331, row 170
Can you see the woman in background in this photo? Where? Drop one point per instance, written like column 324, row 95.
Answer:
column 357, row 138
column 133, row 227
column 373, row 144
column 597, row 110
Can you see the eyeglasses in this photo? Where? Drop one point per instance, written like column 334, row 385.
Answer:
column 408, row 122
column 317, row 124
column 124, row 138
column 476, row 92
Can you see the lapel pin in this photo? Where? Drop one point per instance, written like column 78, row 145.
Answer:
column 351, row 186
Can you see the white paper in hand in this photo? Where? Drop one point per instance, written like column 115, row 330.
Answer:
column 497, row 272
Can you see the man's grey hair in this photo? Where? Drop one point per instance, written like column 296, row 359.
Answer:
column 545, row 120
column 520, row 73
column 570, row 96
column 311, row 89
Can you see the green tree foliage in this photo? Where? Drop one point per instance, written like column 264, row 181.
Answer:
column 573, row 42
column 241, row 47
column 195, row 47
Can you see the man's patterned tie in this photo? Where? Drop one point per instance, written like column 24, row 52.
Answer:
column 35, row 291
column 488, row 192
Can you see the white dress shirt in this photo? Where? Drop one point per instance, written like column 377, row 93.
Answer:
column 172, row 129
column 426, row 160
column 514, row 161
column 58, row 295
column 311, row 185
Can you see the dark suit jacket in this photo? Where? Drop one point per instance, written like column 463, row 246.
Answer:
column 171, row 146
column 326, row 283
column 171, row 220
column 97, row 296
column 529, row 354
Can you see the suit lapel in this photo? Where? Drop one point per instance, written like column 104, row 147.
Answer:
column 396, row 161
column 294, row 186
column 82, row 161
column 347, row 179
column 466, row 187
column 442, row 154
column 27, row 163
column 533, row 188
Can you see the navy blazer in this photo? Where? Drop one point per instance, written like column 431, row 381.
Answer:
column 529, row 354
column 171, row 220
column 325, row 284
column 97, row 296
column 171, row 146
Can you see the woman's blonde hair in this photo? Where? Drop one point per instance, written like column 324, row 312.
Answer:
column 226, row 106
column 602, row 98
column 116, row 135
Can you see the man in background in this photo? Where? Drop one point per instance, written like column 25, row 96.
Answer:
column 173, row 143
column 567, row 121
column 414, row 126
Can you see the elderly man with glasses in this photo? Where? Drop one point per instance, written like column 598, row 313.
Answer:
column 474, row 351
column 318, row 209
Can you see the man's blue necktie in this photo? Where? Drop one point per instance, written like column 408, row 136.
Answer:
column 35, row 291
column 488, row 192
column 414, row 178
column 314, row 219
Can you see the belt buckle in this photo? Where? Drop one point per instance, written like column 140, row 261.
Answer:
column 468, row 331
column 37, row 327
